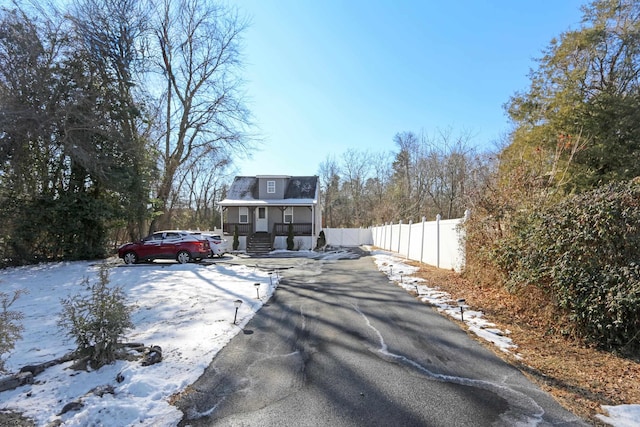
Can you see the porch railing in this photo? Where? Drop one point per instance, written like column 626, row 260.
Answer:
column 299, row 229
column 279, row 228
column 244, row 229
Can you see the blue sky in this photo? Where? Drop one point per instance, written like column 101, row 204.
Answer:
column 327, row 76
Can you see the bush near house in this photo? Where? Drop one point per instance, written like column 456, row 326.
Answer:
column 583, row 253
column 322, row 240
column 290, row 238
column 236, row 239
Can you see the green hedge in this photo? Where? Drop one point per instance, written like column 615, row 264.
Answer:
column 70, row 226
column 584, row 252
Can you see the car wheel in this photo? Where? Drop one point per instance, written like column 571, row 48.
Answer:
column 183, row 257
column 130, row 258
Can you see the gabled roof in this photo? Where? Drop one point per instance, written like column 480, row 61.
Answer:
column 301, row 190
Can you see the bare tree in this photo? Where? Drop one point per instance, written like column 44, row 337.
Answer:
column 356, row 169
column 447, row 168
column 199, row 42
column 329, row 175
column 380, row 206
column 204, row 182
column 407, row 185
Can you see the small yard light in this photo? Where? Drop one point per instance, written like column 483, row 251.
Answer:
column 237, row 303
column 270, row 281
column 390, row 270
column 257, row 285
column 415, row 283
column 461, row 303
column 401, row 277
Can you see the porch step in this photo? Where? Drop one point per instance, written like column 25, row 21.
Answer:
column 259, row 243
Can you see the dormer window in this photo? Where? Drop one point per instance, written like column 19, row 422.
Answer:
column 271, row 187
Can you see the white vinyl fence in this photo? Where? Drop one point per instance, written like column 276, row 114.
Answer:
column 439, row 243
column 348, row 236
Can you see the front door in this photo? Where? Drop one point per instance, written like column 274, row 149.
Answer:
column 262, row 222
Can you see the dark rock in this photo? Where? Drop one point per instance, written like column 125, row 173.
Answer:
column 101, row 390
column 153, row 356
column 71, row 406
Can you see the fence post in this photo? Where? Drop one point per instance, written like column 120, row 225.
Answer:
column 424, row 220
column 390, row 248
column 409, row 238
column 438, row 240
column 399, row 235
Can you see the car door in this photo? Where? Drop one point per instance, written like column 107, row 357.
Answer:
column 170, row 243
column 150, row 246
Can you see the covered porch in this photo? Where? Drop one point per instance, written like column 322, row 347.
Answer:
column 265, row 228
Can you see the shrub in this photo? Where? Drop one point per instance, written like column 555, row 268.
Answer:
column 322, row 240
column 583, row 252
column 68, row 226
column 10, row 329
column 290, row 240
column 97, row 321
column 236, row 239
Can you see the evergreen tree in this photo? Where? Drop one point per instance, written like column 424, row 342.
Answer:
column 578, row 125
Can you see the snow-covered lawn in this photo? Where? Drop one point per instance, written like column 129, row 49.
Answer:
column 188, row 310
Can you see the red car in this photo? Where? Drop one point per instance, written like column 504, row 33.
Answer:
column 179, row 245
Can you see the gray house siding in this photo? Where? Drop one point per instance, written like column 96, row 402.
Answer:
column 280, row 184
column 284, row 199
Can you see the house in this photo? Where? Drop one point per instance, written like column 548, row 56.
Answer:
column 262, row 207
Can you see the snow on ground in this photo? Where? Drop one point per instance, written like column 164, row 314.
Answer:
column 188, row 311
column 400, row 273
column 621, row 416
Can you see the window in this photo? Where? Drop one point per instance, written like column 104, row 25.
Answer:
column 271, row 187
column 244, row 215
column 288, row 215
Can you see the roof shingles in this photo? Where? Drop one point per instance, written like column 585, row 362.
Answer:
column 243, row 188
column 301, row 187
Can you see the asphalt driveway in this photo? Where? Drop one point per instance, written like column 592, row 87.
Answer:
column 339, row 345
